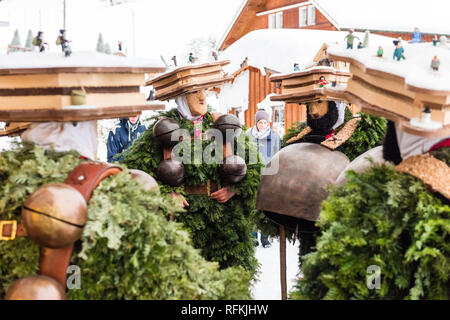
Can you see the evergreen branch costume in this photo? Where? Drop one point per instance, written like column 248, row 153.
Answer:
column 393, row 216
column 221, row 231
column 387, row 218
column 128, row 249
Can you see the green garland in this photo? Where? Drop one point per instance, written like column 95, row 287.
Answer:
column 128, row 249
column 383, row 218
column 221, row 231
column 369, row 134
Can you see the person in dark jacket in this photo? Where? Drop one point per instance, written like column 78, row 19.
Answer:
column 122, row 137
column 64, row 43
column 39, row 41
column 269, row 143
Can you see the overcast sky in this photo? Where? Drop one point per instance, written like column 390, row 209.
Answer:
column 161, row 27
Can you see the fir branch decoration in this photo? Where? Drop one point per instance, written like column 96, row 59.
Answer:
column 221, row 231
column 385, row 218
column 128, row 249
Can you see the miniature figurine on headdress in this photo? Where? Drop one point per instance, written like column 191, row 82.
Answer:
column 64, row 43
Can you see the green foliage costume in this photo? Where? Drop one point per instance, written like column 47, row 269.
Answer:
column 128, row 249
column 221, row 231
column 385, row 218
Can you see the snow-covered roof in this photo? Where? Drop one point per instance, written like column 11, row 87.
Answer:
column 279, row 49
column 429, row 16
column 415, row 69
column 50, row 60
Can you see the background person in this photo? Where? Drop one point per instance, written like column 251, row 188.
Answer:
column 269, row 143
column 122, row 137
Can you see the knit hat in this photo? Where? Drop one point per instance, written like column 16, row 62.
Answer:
column 260, row 115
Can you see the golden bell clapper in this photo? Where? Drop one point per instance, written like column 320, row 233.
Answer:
column 35, row 288
column 54, row 215
column 146, row 181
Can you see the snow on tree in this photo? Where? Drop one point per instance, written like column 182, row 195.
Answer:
column 29, row 41
column 107, row 48
column 16, row 41
column 366, row 39
column 201, row 48
column 100, row 43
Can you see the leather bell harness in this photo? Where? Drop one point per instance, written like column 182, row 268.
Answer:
column 53, row 263
column 209, row 187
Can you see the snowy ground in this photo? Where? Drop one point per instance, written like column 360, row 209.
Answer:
column 268, row 287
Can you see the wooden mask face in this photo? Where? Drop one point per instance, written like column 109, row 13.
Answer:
column 197, row 102
column 318, row 109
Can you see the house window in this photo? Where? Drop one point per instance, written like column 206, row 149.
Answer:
column 279, row 20
column 311, row 15
column 276, row 20
column 302, row 16
column 272, row 24
column 306, row 16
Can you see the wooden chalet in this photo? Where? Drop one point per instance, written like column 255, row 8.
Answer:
column 282, row 16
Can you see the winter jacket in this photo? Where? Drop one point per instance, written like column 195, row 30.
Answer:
column 267, row 146
column 417, row 37
column 121, row 138
column 398, row 53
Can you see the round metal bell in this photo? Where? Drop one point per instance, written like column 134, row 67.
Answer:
column 171, row 172
column 294, row 181
column 361, row 163
column 146, row 181
column 163, row 131
column 35, row 288
column 228, row 122
column 54, row 215
column 233, row 169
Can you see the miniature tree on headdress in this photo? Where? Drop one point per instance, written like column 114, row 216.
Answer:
column 366, row 39
column 29, row 41
column 16, row 41
column 100, row 43
column 107, row 48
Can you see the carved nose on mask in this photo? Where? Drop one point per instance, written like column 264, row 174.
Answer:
column 315, row 116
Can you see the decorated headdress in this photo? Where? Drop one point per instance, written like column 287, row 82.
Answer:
column 409, row 93
column 189, row 78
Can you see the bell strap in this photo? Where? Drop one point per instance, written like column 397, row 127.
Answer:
column 431, row 171
column 10, row 229
column 84, row 178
